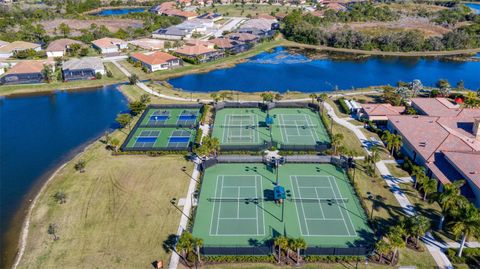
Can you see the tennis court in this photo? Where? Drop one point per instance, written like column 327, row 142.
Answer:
column 241, row 126
column 236, row 206
column 158, row 117
column 298, row 126
column 149, row 138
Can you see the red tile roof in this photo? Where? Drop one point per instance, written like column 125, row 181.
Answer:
column 436, row 106
column 382, row 109
column 223, row 43
column 466, row 162
column 107, row 42
column 61, row 44
column 28, row 67
column 194, row 50
column 155, row 58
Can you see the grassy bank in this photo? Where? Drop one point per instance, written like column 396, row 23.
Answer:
column 117, row 213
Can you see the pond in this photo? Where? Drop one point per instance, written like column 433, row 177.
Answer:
column 37, row 134
column 474, row 7
column 282, row 70
column 119, row 11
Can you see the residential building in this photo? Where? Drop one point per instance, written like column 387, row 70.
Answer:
column 185, row 15
column 26, row 72
column 379, row 113
column 184, row 30
column 229, row 45
column 243, row 37
column 82, row 69
column 198, row 53
column 260, row 24
column 59, row 47
column 159, row 9
column 443, row 139
column 156, row 61
column 211, row 16
column 148, row 43
column 8, row 50
column 108, row 45
column 197, row 42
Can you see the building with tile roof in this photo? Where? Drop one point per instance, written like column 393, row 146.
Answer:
column 59, row 47
column 8, row 50
column 156, row 61
column 25, row 72
column 148, row 43
column 379, row 112
column 82, row 69
column 198, row 53
column 109, row 45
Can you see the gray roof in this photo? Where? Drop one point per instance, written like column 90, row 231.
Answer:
column 83, row 63
column 174, row 31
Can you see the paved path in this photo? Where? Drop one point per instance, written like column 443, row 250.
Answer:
column 175, row 258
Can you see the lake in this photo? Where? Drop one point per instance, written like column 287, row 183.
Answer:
column 37, row 134
column 282, row 70
column 119, row 11
column 474, row 7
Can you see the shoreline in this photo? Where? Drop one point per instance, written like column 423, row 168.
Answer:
column 24, row 231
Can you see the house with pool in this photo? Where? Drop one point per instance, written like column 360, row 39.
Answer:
column 156, row 61
column 82, row 69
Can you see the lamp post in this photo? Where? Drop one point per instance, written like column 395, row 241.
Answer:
column 173, row 201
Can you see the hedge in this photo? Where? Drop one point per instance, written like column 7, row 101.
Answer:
column 470, row 256
column 344, row 106
column 234, row 259
column 332, row 259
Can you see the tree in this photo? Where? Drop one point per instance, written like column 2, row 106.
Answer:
column 115, row 143
column 282, row 243
column 215, row 97
column 395, row 237
column 198, row 243
column 444, row 86
column 267, row 96
column 136, row 107
column 133, row 79
column 123, row 119
column 297, row 245
column 185, row 244
column 417, row 226
column 224, row 95
column 465, row 226
column 428, row 186
column 80, row 166
column 451, row 200
column 145, row 98
column 394, row 142
column 336, row 142
column 47, row 72
column 278, row 97
column 60, row 197
column 74, row 48
column 415, row 87
column 382, row 247
column 417, row 173
column 321, row 99
column 471, row 100
column 313, row 96
column 52, row 230
column 83, row 52
column 374, row 155
column 64, row 29
column 210, row 146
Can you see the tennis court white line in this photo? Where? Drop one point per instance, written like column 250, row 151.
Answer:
column 256, row 207
column 239, row 187
column 238, row 218
column 348, row 215
column 309, row 187
column 319, row 204
column 313, row 132
column 213, row 211
column 283, row 129
column 321, row 219
column 219, row 206
column 263, row 212
column 296, row 207
column 340, row 209
column 303, row 209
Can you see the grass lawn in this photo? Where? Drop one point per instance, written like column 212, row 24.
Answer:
column 239, row 10
column 396, row 170
column 117, row 213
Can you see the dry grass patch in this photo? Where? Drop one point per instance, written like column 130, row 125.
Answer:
column 117, row 212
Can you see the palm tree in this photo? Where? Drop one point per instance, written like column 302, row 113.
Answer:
column 322, row 98
column 466, row 225
column 282, row 243
column 417, row 226
column 396, row 241
column 297, row 245
column 382, row 247
column 417, row 172
column 185, row 244
column 336, row 141
column 394, row 142
column 198, row 244
column 215, row 97
column 450, row 199
column 313, row 96
column 114, row 142
column 374, row 155
column 52, row 230
column 428, row 186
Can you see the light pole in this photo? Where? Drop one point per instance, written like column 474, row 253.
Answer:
column 173, row 201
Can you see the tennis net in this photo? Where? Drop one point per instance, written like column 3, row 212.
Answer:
column 301, row 126
column 235, row 199
column 320, row 200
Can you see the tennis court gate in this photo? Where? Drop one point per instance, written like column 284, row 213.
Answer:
column 266, row 106
column 200, row 107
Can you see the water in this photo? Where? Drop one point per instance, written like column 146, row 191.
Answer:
column 38, row 133
column 283, row 70
column 120, row 11
column 474, row 7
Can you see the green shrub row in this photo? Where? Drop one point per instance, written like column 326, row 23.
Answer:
column 331, row 259
column 470, row 256
column 241, row 152
column 198, row 138
column 205, row 110
column 233, row 259
column 343, row 105
column 152, row 153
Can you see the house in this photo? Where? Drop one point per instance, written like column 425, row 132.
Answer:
column 211, row 16
column 197, row 42
column 379, row 113
column 172, row 33
column 148, row 43
column 8, row 50
column 260, row 24
column 185, row 15
column 229, row 45
column 198, row 53
column 443, row 139
column 243, row 37
column 184, row 3
column 335, row 6
column 159, row 9
column 26, row 72
column 108, row 45
column 59, row 47
column 156, row 61
column 82, row 69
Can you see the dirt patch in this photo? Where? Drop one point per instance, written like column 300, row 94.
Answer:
column 407, row 23
column 112, row 25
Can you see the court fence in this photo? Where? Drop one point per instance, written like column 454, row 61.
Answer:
column 236, row 250
column 267, row 249
column 317, row 147
column 200, row 107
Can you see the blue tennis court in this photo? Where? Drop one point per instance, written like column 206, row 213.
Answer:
column 179, row 138
column 147, row 138
column 187, row 117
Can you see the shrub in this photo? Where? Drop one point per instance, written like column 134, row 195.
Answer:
column 98, row 75
column 332, row 259
column 234, row 259
column 109, row 74
column 80, row 166
column 343, row 105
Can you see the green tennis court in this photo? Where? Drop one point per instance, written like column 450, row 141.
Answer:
column 149, row 138
column 236, row 206
column 157, row 117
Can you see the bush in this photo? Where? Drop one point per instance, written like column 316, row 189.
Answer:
column 332, row 259
column 109, row 74
column 235, row 259
column 343, row 105
column 198, row 138
column 98, row 76
column 470, row 256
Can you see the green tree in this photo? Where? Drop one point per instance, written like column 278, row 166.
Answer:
column 394, row 142
column 115, row 143
column 321, row 99
column 337, row 140
column 64, row 29
column 145, row 98
column 417, row 226
column 395, row 237
column 267, row 96
column 297, row 245
column 80, row 166
column 210, row 146
column 136, row 107
column 467, row 225
column 417, row 173
column 382, row 247
column 224, row 95
column 47, row 72
column 133, row 79
column 124, row 119
column 428, row 186
column 282, row 243
column 313, row 96
column 74, row 49
column 215, row 97
column 185, row 244
column 60, row 197
column 444, row 87
column 198, row 243
column 52, row 230
column 83, row 52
